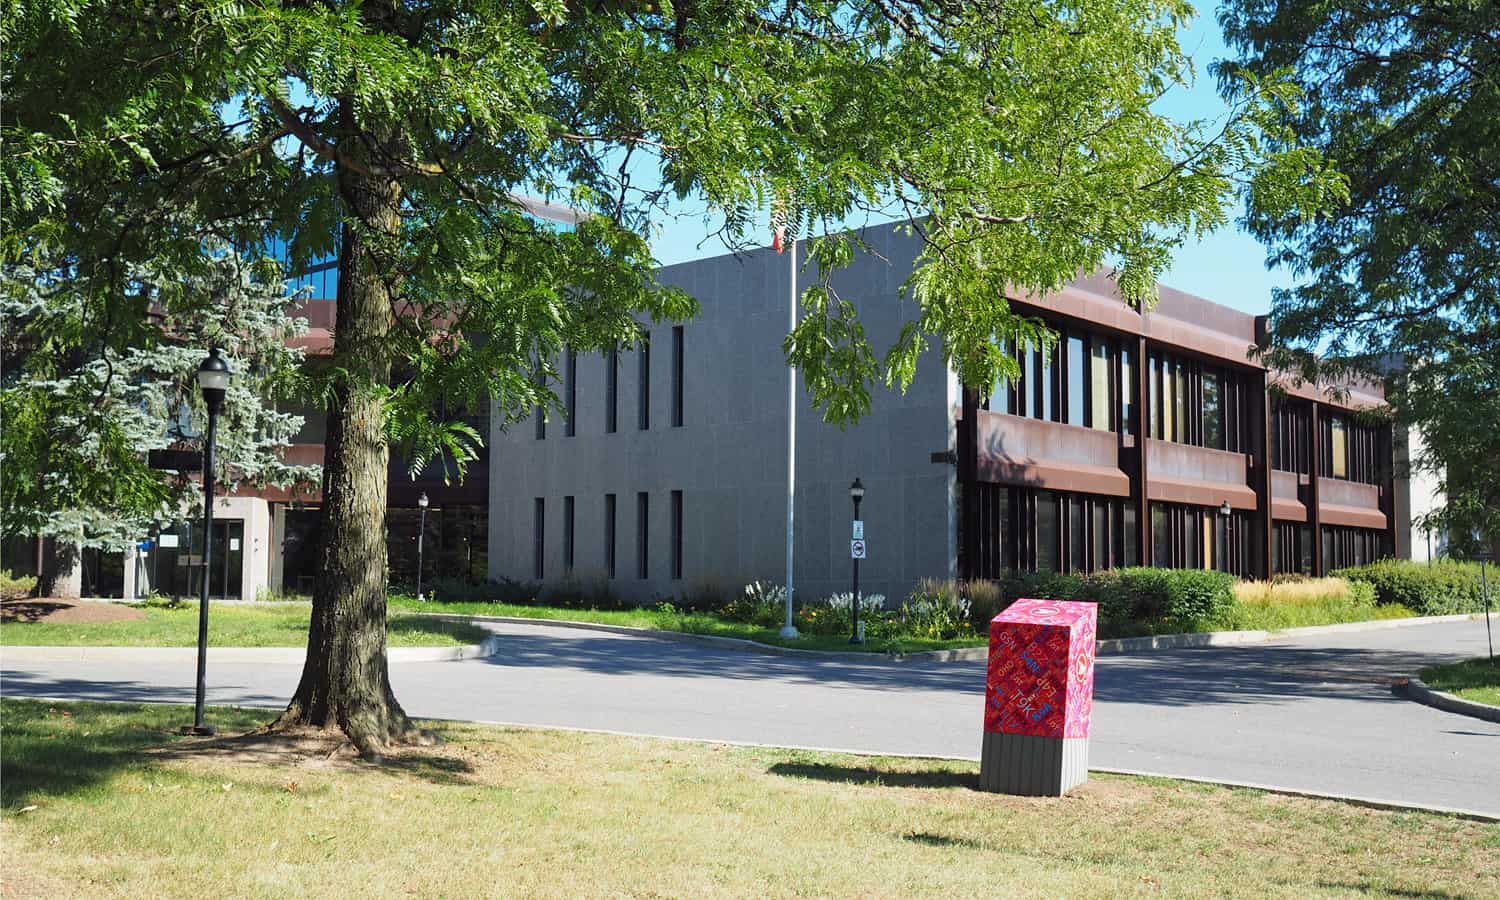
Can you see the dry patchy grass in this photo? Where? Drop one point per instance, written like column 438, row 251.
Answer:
column 131, row 811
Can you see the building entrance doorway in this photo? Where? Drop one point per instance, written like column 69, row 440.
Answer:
column 178, row 567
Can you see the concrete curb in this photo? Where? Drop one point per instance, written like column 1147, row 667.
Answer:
column 270, row 655
column 966, row 654
column 1412, row 688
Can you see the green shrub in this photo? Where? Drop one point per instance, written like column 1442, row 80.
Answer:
column 937, row 609
column 761, row 603
column 16, row 587
column 835, row 615
column 1428, row 589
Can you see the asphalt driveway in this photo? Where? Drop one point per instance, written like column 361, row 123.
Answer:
column 1306, row 714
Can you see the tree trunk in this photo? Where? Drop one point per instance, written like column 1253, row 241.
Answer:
column 345, row 680
column 61, row 575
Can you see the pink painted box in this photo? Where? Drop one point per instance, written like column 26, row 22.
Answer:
column 1041, row 669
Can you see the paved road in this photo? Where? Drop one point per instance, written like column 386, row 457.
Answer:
column 1304, row 714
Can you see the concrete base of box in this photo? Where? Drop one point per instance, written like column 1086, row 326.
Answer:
column 1032, row 766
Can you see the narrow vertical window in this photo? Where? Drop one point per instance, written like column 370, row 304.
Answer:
column 568, row 534
column 677, row 376
column 1340, row 448
column 1213, row 412
column 539, row 533
column 570, row 362
column 541, row 421
column 609, row 534
column 1047, row 384
column 642, row 536
column 1076, row 380
column 677, row 535
column 611, row 391
column 643, row 386
column 1099, row 385
column 1048, row 535
column 1153, row 403
column 1127, row 391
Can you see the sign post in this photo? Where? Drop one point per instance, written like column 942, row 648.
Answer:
column 857, row 553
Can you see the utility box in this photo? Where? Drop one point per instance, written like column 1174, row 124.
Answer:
column 1039, row 695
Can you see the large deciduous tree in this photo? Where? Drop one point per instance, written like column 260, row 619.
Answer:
column 1018, row 138
column 1405, row 99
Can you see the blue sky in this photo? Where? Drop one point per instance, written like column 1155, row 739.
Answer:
column 1227, row 266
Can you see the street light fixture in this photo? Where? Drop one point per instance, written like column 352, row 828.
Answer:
column 857, row 493
column 1225, row 509
column 213, row 381
column 421, row 530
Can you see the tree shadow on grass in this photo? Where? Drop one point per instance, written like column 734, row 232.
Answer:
column 873, row 776
column 52, row 749
column 1367, row 887
column 56, row 749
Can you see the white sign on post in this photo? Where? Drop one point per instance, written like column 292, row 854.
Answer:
column 168, row 540
column 859, row 530
column 857, row 549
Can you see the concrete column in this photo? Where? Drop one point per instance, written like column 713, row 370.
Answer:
column 968, row 478
column 1314, row 514
column 1260, row 474
column 1142, row 396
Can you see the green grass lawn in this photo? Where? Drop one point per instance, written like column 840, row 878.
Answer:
column 1472, row 679
column 267, row 625
column 102, row 799
column 690, row 623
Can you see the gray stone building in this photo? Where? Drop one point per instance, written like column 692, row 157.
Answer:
column 671, row 477
column 1153, row 438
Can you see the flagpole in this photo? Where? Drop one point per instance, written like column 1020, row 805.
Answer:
column 789, row 630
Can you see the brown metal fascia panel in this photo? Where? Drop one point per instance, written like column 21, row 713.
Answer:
column 1353, row 516
column 1200, row 493
column 1363, row 395
column 1054, row 475
column 1290, row 510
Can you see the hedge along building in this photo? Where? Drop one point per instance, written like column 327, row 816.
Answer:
column 663, row 473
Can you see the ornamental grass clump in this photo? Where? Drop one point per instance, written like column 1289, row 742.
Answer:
column 1277, row 604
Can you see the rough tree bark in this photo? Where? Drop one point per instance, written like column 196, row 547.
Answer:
column 61, row 575
column 345, row 680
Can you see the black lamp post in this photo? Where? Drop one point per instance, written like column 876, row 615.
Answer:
column 213, row 380
column 856, row 493
column 421, row 530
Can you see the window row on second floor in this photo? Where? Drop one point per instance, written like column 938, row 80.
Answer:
column 1088, row 379
column 612, row 388
column 1347, row 449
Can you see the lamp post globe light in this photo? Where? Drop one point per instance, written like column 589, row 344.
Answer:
column 1225, row 509
column 856, row 493
column 421, row 531
column 213, row 381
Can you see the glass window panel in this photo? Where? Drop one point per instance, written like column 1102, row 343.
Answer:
column 1130, row 545
column 1045, row 384
column 1340, row 448
column 1047, row 536
column 1179, row 397
column 1076, row 368
column 1028, row 405
column 1101, row 535
column 1153, row 411
column 1192, row 547
column 1161, row 537
column 1077, row 545
column 1213, row 412
column 1099, row 384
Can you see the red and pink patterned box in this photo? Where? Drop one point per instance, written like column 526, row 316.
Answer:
column 1041, row 669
